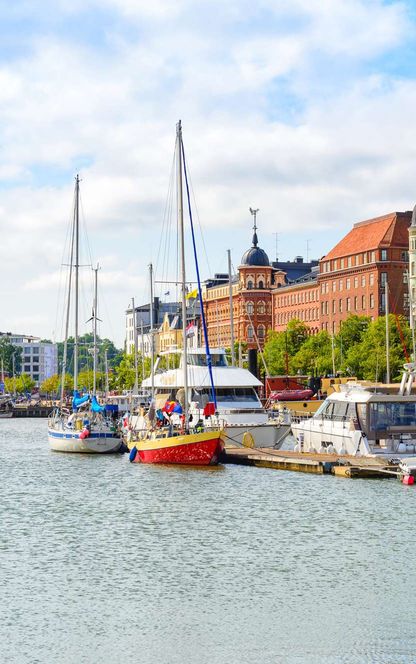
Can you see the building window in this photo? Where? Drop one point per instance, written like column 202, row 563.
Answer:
column 355, row 303
column 334, row 306
column 355, row 282
column 383, row 302
column 27, row 368
column 334, row 286
column 261, row 308
column 340, row 306
column 342, row 263
column 363, row 302
column 348, row 304
column 371, row 301
column 250, row 333
column 348, row 284
column 384, row 254
column 261, row 330
column 341, row 285
column 363, row 281
column 249, row 284
column 371, row 279
column 261, row 284
column 335, row 265
column 383, row 279
column 250, row 308
column 405, row 278
column 406, row 300
column 349, row 261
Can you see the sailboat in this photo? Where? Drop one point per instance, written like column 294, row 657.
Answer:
column 84, row 427
column 170, row 443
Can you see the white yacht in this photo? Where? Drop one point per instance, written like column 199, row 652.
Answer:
column 363, row 421
column 239, row 408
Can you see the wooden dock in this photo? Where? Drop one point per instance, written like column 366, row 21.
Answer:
column 319, row 464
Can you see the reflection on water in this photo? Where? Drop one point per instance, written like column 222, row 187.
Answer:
column 102, row 561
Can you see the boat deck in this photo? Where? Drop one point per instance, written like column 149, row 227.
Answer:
column 304, row 462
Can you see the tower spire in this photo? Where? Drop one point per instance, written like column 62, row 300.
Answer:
column 254, row 213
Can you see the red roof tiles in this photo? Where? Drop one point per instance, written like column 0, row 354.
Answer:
column 390, row 229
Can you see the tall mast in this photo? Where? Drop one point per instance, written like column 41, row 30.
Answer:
column 68, row 309
column 94, row 330
column 106, row 373
column 76, row 281
column 142, row 345
column 182, row 255
column 152, row 338
column 387, row 334
column 136, row 371
column 230, row 289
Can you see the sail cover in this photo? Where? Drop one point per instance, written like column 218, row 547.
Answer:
column 78, row 400
column 95, row 406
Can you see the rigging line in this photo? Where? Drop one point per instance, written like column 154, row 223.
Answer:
column 65, row 251
column 162, row 239
column 200, row 226
column 209, row 359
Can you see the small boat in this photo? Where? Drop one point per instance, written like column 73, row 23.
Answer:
column 363, row 420
column 196, row 449
column 291, row 395
column 87, row 427
column 167, row 442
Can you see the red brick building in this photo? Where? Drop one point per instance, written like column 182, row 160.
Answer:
column 353, row 275
column 350, row 279
column 252, row 301
column 299, row 300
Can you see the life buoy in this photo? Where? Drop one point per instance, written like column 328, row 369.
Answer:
column 248, row 440
column 84, row 433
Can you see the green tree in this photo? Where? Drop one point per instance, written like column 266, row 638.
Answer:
column 281, row 347
column 52, row 384
column 367, row 359
column 7, row 350
column 315, row 355
column 20, row 385
column 86, row 380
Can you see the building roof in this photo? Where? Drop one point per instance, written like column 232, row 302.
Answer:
column 373, row 233
column 255, row 256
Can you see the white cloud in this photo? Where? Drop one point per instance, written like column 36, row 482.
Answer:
column 277, row 113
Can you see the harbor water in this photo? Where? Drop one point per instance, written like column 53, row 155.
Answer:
column 107, row 562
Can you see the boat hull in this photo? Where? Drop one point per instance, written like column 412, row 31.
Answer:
column 264, row 435
column 195, row 449
column 96, row 443
column 6, row 414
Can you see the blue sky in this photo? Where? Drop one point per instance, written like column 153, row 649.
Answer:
column 301, row 108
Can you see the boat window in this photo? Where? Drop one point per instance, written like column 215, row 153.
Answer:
column 340, row 410
column 325, row 411
column 385, row 415
column 362, row 415
column 227, row 394
column 200, row 360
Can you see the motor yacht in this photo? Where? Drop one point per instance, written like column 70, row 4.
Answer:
column 363, row 420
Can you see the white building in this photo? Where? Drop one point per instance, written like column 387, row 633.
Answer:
column 39, row 358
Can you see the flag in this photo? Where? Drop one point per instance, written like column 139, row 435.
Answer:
column 167, row 293
column 190, row 329
column 192, row 295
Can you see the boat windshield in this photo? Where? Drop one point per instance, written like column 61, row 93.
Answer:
column 200, row 360
column 392, row 416
column 226, row 394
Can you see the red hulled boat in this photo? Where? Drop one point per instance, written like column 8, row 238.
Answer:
column 193, row 449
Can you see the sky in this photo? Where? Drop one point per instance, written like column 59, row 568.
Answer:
column 303, row 109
